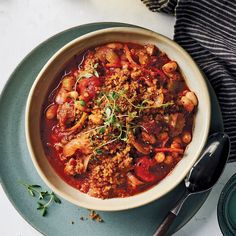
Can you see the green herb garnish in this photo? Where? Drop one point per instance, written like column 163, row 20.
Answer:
column 44, row 197
column 117, row 108
column 112, row 119
column 82, row 103
column 99, row 151
column 96, row 73
column 101, row 130
column 95, row 66
column 113, row 95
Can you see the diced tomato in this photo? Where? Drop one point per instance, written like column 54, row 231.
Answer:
column 88, row 87
column 142, row 169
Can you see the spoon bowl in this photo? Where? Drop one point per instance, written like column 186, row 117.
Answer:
column 202, row 176
column 207, row 170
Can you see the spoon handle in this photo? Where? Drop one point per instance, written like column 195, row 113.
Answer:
column 165, row 225
column 167, row 222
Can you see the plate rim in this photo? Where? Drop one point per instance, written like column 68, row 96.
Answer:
column 222, row 217
column 10, row 79
column 147, row 196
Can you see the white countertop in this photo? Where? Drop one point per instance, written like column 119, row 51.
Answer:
column 26, row 23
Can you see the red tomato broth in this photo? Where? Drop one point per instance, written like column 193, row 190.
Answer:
column 89, row 89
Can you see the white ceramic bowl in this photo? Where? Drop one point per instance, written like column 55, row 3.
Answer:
column 39, row 90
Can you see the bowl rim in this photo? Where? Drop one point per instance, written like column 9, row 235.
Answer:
column 111, row 30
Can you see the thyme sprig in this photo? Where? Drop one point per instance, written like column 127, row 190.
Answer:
column 45, row 199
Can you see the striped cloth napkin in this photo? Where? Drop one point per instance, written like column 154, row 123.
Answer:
column 207, row 30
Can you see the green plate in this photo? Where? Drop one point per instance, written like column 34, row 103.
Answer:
column 16, row 164
column 226, row 210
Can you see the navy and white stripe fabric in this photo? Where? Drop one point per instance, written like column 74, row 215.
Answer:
column 207, row 30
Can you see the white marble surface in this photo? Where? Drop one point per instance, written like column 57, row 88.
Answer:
column 26, row 23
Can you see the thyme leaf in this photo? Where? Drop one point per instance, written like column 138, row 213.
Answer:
column 96, row 73
column 99, row 151
column 82, row 103
column 102, row 130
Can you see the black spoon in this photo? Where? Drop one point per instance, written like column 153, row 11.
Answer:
column 202, row 176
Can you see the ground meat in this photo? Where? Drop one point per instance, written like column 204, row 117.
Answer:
column 74, row 166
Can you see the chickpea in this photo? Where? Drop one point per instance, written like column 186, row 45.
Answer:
column 186, row 137
column 168, row 160
column 51, row 112
column 192, row 97
column 160, row 157
column 73, row 94
column 187, row 103
column 177, row 143
column 169, row 67
column 68, row 82
column 115, row 45
column 160, row 99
